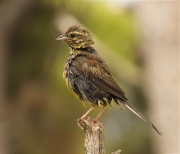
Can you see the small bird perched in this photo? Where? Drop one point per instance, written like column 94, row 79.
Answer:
column 88, row 76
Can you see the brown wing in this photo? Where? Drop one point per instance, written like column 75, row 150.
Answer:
column 97, row 71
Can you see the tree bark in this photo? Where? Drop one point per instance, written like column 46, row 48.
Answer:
column 93, row 137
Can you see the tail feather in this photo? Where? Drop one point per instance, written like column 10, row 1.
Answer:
column 136, row 112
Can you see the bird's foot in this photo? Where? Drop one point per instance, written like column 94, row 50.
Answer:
column 82, row 122
column 83, row 118
column 101, row 125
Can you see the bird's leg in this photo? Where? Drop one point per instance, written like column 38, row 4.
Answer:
column 85, row 115
column 100, row 113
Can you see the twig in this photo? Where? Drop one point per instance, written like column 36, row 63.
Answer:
column 93, row 136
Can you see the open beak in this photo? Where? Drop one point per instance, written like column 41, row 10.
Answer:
column 62, row 38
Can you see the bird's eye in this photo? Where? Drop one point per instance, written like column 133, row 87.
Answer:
column 72, row 35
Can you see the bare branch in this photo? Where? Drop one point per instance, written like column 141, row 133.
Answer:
column 93, row 136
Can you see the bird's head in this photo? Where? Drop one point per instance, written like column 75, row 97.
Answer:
column 77, row 37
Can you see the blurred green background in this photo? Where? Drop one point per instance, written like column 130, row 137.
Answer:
column 40, row 113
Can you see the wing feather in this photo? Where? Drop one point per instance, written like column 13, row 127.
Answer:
column 98, row 72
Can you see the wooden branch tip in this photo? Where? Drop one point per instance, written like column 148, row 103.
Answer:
column 93, row 136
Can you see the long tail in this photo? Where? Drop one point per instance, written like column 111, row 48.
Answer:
column 136, row 112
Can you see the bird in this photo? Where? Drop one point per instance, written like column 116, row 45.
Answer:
column 88, row 76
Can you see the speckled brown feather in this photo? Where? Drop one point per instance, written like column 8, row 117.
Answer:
column 95, row 69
